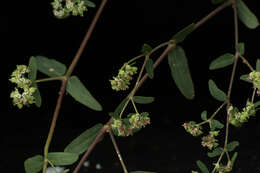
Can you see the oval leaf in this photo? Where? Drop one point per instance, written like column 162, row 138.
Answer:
column 258, row 65
column 181, row 35
column 241, row 48
column 234, row 157
column 204, row 115
column 90, row 3
column 62, row 158
column 216, row 152
column 143, row 100
column 202, row 167
column 50, row 67
column 180, row 72
column 149, row 68
column 245, row 78
column 78, row 91
column 216, row 92
column 32, row 69
column 33, row 164
column 246, row 15
column 232, row 145
column 222, row 61
column 215, row 124
column 37, row 96
column 81, row 144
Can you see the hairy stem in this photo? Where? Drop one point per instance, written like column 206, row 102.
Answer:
column 142, row 80
column 117, row 150
column 64, row 83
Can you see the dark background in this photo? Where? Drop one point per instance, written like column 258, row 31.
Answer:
column 124, row 26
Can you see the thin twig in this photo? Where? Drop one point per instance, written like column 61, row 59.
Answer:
column 213, row 13
column 117, row 150
column 246, row 62
column 157, row 62
column 64, row 83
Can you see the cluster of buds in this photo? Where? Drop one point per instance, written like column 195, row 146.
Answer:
column 122, row 80
column 128, row 126
column 209, row 140
column 224, row 168
column 63, row 8
column 24, row 85
column 237, row 118
column 192, row 128
column 255, row 78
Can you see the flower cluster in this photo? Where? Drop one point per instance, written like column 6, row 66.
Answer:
column 122, row 80
column 209, row 140
column 224, row 168
column 237, row 118
column 24, row 85
column 63, row 8
column 130, row 125
column 255, row 78
column 192, row 128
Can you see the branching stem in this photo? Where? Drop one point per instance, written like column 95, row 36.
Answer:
column 64, row 83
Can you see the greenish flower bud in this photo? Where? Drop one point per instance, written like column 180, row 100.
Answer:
column 123, row 78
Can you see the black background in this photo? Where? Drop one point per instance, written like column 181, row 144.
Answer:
column 119, row 34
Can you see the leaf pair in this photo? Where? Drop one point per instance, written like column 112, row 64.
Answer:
column 70, row 154
column 75, row 87
column 35, row 164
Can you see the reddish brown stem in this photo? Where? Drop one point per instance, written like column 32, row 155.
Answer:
column 64, row 82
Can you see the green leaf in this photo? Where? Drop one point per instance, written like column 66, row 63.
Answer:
column 50, row 67
column 204, row 115
column 258, row 65
column 232, row 145
column 78, row 91
column 180, row 72
column 141, row 172
column 181, row 35
column 62, row 158
column 216, row 92
column 37, row 95
column 80, row 144
column 33, row 164
column 256, row 104
column 216, row 152
column 222, row 61
column 241, row 48
column 143, row 99
column 234, row 157
column 244, row 77
column 146, row 48
column 149, row 68
column 217, row 1
column 32, row 69
column 32, row 76
column 246, row 15
column 90, row 4
column 202, row 167
column 215, row 124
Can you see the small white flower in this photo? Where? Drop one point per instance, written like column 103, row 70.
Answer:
column 98, row 166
